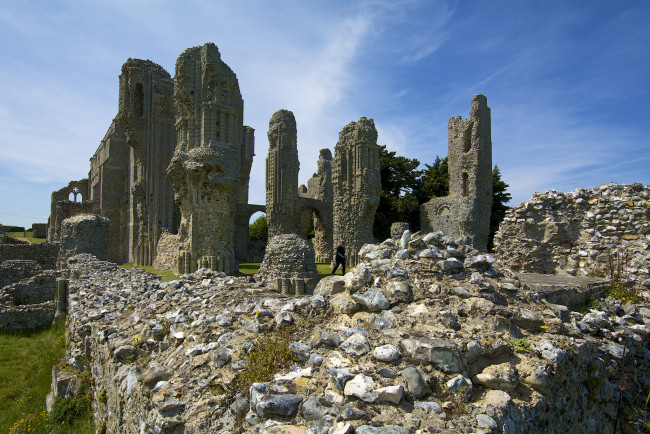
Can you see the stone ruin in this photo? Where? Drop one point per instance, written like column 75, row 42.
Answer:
column 172, row 174
column 28, row 280
column 466, row 211
column 424, row 335
column 196, row 119
column 212, row 160
column 83, row 233
column 289, row 265
column 580, row 233
column 357, row 186
column 339, row 202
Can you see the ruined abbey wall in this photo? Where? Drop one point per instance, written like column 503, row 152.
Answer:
column 282, row 175
column 146, row 114
column 316, row 202
column 129, row 181
column 466, row 211
column 131, row 161
column 212, row 148
column 357, row 184
column 339, row 201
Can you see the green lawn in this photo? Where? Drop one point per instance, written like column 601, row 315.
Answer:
column 167, row 275
column 27, row 235
column 245, row 268
column 26, row 361
column 324, row 268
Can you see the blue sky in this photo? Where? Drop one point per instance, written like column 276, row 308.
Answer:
column 567, row 82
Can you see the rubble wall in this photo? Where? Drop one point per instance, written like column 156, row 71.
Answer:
column 45, row 254
column 84, row 233
column 580, row 232
column 26, row 295
column 424, row 334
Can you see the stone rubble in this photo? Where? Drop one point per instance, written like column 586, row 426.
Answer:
column 406, row 342
column 580, row 233
column 27, row 286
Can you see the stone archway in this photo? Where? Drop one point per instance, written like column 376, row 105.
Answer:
column 242, row 239
column 315, row 215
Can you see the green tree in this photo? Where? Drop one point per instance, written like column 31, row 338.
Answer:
column 499, row 199
column 400, row 182
column 258, row 230
column 435, row 180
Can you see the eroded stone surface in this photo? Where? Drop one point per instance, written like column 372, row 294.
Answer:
column 409, row 364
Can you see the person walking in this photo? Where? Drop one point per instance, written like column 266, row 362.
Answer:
column 340, row 257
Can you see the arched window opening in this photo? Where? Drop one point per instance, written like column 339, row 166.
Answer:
column 138, row 100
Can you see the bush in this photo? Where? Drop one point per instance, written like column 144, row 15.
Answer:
column 67, row 410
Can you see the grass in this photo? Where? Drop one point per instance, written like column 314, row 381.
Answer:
column 324, row 268
column 167, row 275
column 26, row 361
column 25, row 236
column 245, row 269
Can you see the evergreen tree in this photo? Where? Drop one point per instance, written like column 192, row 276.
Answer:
column 398, row 202
column 435, row 180
column 499, row 199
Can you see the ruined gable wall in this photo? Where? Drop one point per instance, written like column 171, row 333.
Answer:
column 575, row 233
column 81, row 192
column 466, row 211
column 356, row 184
column 205, row 169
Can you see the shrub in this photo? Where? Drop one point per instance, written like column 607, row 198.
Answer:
column 521, row 345
column 270, row 355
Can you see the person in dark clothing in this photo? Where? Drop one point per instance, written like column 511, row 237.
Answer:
column 340, row 257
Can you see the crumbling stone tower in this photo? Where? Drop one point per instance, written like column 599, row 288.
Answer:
column 357, row 185
column 146, row 116
column 282, row 175
column 466, row 211
column 212, row 147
